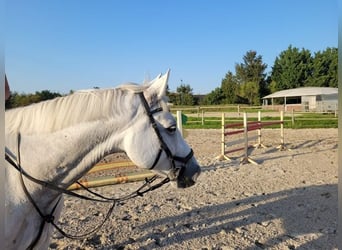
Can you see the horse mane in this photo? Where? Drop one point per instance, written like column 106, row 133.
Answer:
column 81, row 106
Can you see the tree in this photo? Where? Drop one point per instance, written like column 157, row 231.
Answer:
column 250, row 90
column 184, row 95
column 252, row 70
column 215, row 97
column 291, row 69
column 324, row 69
column 19, row 100
column 230, row 89
column 47, row 95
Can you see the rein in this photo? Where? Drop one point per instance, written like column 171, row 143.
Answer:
column 146, row 187
column 49, row 218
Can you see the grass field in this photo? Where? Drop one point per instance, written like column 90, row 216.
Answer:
column 297, row 121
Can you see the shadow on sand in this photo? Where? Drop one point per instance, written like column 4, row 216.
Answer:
column 303, row 211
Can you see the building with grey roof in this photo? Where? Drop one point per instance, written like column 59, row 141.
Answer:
column 314, row 99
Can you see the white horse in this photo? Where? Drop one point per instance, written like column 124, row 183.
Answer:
column 59, row 140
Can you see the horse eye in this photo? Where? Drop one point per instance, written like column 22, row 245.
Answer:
column 172, row 129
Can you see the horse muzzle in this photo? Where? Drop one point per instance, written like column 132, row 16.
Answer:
column 188, row 174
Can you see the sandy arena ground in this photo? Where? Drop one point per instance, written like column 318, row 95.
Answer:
column 288, row 201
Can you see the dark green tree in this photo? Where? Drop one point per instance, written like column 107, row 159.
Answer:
column 252, row 70
column 215, row 97
column 47, row 95
column 291, row 69
column 250, row 91
column 324, row 69
column 19, row 100
column 184, row 95
column 230, row 88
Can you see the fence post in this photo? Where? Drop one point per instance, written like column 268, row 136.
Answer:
column 293, row 119
column 179, row 122
column 202, row 117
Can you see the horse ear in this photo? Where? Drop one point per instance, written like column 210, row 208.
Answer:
column 149, row 82
column 155, row 79
column 158, row 86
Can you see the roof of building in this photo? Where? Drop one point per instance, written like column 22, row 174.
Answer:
column 303, row 91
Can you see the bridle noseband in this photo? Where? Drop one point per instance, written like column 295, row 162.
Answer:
column 163, row 146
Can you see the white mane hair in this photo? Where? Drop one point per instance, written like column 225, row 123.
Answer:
column 81, row 106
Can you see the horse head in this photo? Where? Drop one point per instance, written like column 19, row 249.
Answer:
column 158, row 144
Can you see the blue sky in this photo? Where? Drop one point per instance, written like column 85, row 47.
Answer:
column 79, row 44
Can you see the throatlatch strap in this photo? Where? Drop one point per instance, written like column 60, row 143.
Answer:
column 157, row 159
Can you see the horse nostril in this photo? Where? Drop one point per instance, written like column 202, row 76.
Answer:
column 195, row 176
column 188, row 176
column 185, row 182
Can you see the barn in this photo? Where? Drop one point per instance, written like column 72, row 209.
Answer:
column 313, row 99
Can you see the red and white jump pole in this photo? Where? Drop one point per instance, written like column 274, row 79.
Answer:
column 246, row 127
column 244, row 130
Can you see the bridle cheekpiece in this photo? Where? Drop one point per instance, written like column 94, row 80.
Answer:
column 175, row 171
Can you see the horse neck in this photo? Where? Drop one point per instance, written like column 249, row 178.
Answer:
column 64, row 155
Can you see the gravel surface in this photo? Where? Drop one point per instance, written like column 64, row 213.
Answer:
column 288, row 201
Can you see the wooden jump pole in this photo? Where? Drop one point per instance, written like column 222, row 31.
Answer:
column 222, row 135
column 259, row 130
column 223, row 143
column 282, row 127
column 112, row 165
column 248, row 126
column 259, row 144
column 111, row 180
column 282, row 146
column 243, row 131
column 246, row 159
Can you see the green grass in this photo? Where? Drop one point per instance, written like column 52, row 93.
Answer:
column 218, row 108
column 310, row 120
column 315, row 120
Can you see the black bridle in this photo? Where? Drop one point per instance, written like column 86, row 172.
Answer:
column 163, row 146
column 146, row 187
